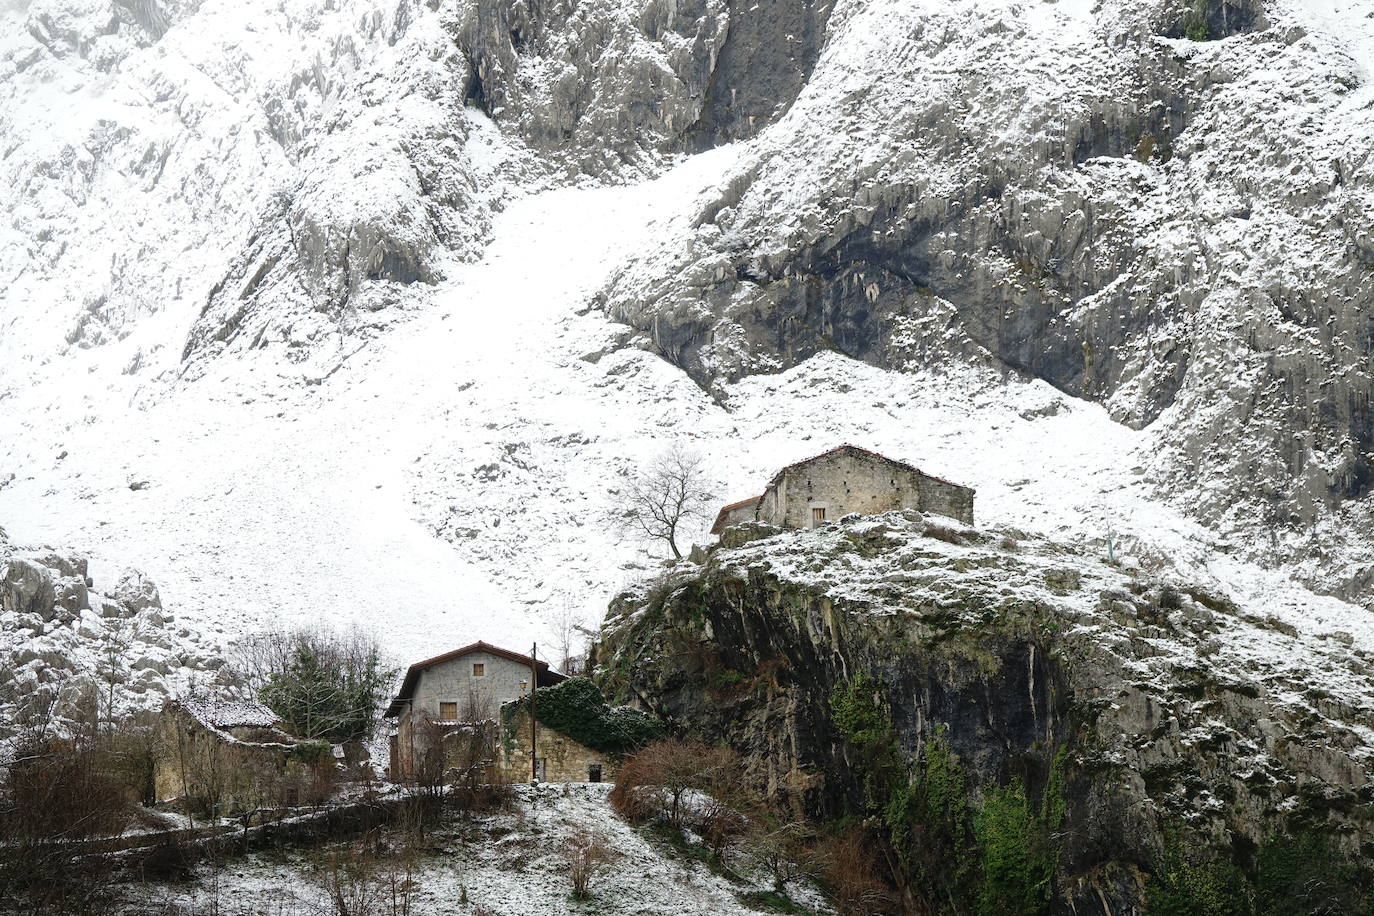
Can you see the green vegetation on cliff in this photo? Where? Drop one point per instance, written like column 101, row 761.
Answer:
column 998, row 860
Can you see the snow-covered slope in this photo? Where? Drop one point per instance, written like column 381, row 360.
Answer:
column 499, row 864
column 1175, row 227
column 277, row 266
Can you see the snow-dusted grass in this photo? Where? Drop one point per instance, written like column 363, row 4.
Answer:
column 505, row 863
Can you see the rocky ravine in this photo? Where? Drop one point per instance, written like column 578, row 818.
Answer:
column 1147, row 714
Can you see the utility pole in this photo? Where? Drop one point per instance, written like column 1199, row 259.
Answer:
column 534, row 723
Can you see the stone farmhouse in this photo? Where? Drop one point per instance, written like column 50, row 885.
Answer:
column 456, row 691
column 561, row 758
column 847, row 480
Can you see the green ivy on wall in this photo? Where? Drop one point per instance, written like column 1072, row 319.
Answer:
column 577, row 709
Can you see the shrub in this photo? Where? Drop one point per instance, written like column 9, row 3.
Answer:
column 845, row 862
column 587, row 854
column 867, row 728
column 944, row 533
column 1196, row 883
column 51, row 792
column 322, row 684
column 1018, row 859
column 927, row 821
column 654, row 782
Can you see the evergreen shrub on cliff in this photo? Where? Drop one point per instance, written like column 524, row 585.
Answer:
column 577, row 709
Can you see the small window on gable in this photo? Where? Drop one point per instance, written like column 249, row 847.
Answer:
column 479, row 669
column 818, row 514
column 448, row 710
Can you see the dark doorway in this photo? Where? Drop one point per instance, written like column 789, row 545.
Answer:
column 594, row 773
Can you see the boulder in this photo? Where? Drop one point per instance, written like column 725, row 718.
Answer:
column 27, row 588
column 72, row 594
column 65, row 565
column 149, row 663
column 136, row 592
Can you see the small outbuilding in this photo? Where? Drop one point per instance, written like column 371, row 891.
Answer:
column 224, row 756
column 847, row 480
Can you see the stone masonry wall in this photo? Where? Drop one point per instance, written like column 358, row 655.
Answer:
column 852, row 480
column 944, row 498
column 565, row 760
column 209, row 767
column 741, row 514
column 839, row 483
column 453, row 680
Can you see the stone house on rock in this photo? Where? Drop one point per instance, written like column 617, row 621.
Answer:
column 457, row 691
column 847, row 480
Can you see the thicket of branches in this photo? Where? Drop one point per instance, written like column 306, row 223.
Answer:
column 322, row 683
column 54, row 791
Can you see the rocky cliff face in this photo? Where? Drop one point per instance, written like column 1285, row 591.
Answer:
column 1160, row 206
column 859, row 665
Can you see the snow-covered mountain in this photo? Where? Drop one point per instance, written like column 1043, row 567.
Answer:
column 365, row 309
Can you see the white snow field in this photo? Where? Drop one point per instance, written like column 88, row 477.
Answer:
column 453, row 480
column 453, row 477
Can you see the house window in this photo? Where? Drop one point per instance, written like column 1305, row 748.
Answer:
column 448, row 710
column 594, row 772
column 817, row 515
column 479, row 669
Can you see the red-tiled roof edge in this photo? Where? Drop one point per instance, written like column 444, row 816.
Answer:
column 859, row 448
column 479, row 646
column 720, row 516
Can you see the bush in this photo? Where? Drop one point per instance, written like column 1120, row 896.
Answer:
column 587, row 854
column 1193, row 882
column 50, row 793
column 846, row 863
column 1018, row 859
column 654, row 782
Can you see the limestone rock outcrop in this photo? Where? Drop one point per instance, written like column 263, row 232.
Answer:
column 1145, row 712
column 67, row 651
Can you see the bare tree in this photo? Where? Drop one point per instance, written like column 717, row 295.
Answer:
column 567, row 630
column 667, row 496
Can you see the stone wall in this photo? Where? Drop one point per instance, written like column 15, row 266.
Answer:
column 235, row 772
column 944, row 498
column 852, row 480
column 738, row 514
column 453, row 680
column 565, row 760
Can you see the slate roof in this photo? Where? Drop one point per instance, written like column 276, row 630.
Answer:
column 218, row 713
